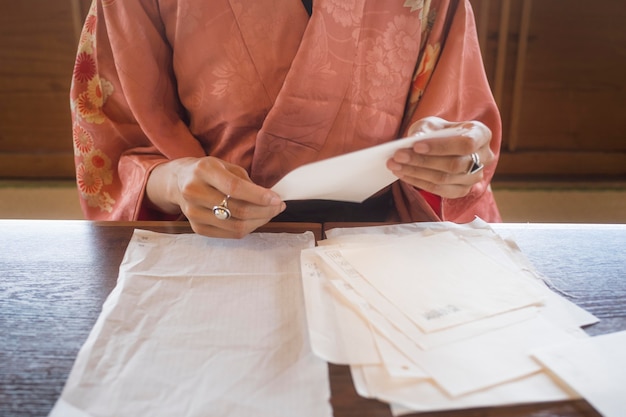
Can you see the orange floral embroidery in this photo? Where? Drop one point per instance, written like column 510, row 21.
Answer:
column 83, row 142
column 90, row 24
column 90, row 187
column 89, row 183
column 89, row 94
column 424, row 71
column 85, row 67
column 414, row 4
column 99, row 164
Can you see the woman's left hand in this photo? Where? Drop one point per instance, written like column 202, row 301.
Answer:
column 443, row 166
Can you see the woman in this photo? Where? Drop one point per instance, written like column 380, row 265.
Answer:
column 196, row 108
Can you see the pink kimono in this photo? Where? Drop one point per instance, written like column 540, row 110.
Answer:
column 262, row 85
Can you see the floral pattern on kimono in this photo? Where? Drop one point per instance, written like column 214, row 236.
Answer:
column 90, row 92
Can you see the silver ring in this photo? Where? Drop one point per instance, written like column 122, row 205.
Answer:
column 221, row 211
column 476, row 165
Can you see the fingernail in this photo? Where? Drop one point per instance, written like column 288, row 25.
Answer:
column 393, row 166
column 421, row 147
column 275, row 200
column 401, row 157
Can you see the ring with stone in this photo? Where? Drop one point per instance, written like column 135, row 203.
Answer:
column 476, row 165
column 221, row 211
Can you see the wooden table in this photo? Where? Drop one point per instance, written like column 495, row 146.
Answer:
column 55, row 275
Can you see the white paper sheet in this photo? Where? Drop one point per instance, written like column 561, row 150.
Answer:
column 418, row 395
column 480, row 235
column 440, row 281
column 481, row 368
column 350, row 177
column 466, row 363
column 593, row 367
column 336, row 332
column 471, row 363
column 377, row 309
column 199, row 326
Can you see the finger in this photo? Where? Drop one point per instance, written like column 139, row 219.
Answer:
column 203, row 210
column 205, row 186
column 429, row 124
column 204, row 221
column 476, row 137
column 233, row 181
column 445, row 191
column 231, row 228
column 443, row 184
column 406, row 162
column 447, row 184
column 244, row 210
column 413, row 174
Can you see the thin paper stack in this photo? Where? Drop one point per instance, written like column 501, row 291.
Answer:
column 435, row 316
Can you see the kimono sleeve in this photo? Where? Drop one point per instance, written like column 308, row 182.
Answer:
column 126, row 116
column 458, row 90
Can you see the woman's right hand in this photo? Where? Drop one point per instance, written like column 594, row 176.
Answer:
column 194, row 186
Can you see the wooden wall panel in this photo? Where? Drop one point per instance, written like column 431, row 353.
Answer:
column 556, row 68
column 574, row 83
column 37, row 49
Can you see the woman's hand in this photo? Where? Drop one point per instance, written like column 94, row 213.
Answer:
column 194, row 186
column 443, row 166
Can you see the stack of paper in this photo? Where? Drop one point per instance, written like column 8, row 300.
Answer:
column 435, row 316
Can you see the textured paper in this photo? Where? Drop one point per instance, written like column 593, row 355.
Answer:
column 440, row 281
column 199, row 326
column 470, row 361
column 353, row 176
column 465, row 367
column 408, row 396
column 595, row 368
column 482, row 237
column 337, row 333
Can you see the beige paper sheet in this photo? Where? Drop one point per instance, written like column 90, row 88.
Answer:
column 595, row 368
column 199, row 326
column 554, row 321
